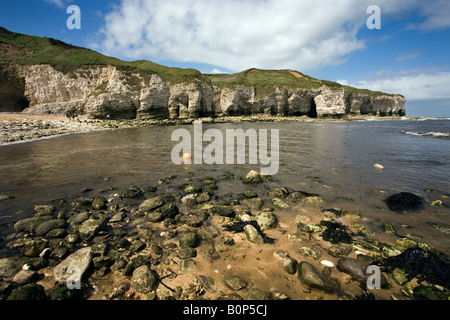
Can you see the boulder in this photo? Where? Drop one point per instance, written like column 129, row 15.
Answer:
column 78, row 262
column 90, row 228
column 152, row 203
column 234, row 282
column 266, row 220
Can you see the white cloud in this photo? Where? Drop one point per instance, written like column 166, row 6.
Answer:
column 217, row 71
column 240, row 34
column 414, row 86
column 58, row 3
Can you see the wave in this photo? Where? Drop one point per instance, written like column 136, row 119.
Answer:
column 429, row 134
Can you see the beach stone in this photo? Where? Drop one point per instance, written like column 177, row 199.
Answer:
column 28, row 292
column 44, row 209
column 253, row 203
column 155, row 216
column 24, row 277
column 79, row 260
column 257, row 294
column 62, row 292
column 188, row 265
column 404, row 201
column 152, row 203
column 208, row 232
column 25, row 225
column 290, row 265
column 312, row 251
column 33, row 248
column 253, row 234
column 193, row 219
column 203, row 197
column 266, row 220
column 8, row 268
column 90, row 228
column 280, row 192
column 79, row 218
column 399, row 276
column 169, row 210
column 45, row 227
column 429, row 293
column 187, row 253
column 340, row 250
column 353, row 267
column 223, row 211
column 279, row 203
column 189, row 240
column 99, row 203
column 249, row 194
column 193, row 188
column 253, row 177
column 313, row 279
column 145, row 280
column 56, row 233
column 234, row 282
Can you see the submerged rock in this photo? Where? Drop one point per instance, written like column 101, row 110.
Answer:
column 234, row 282
column 404, row 201
column 253, row 177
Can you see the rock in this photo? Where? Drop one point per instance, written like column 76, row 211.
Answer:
column 194, row 219
column 155, row 216
column 203, row 197
column 119, row 290
column 234, row 282
column 290, row 265
column 340, row 250
column 90, row 228
column 24, row 277
column 188, row 265
column 187, row 253
column 279, row 203
column 169, row 210
column 26, row 225
column 253, row 177
column 313, row 279
column 33, row 248
column 78, row 261
column 44, row 209
column 4, row 197
column 266, row 220
column 145, row 280
column 388, row 228
column 79, row 218
column 404, row 201
column 45, row 227
column 249, row 194
column 99, row 203
column 223, row 211
column 193, row 188
column 62, row 292
column 8, row 268
column 313, row 251
column 280, row 192
column 189, row 240
column 257, row 294
column 28, row 292
column 208, row 232
column 152, row 204
column 56, row 233
column 354, row 267
column 253, row 234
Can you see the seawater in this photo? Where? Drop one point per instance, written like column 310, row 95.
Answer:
column 333, row 159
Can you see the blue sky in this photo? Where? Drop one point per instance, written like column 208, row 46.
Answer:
column 327, row 39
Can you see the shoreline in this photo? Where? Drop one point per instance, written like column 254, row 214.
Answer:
column 20, row 127
column 184, row 239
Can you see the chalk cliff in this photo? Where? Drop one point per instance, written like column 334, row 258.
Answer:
column 73, row 80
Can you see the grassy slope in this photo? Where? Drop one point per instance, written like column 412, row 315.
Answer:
column 66, row 58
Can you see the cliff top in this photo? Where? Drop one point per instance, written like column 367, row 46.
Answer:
column 28, row 50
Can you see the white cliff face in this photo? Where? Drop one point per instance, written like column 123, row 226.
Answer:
column 108, row 90
column 332, row 102
column 101, row 91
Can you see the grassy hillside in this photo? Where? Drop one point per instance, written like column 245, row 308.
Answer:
column 27, row 50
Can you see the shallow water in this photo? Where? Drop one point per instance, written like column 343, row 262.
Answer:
column 333, row 159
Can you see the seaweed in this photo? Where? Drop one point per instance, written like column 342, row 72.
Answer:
column 421, row 264
column 237, row 227
column 336, row 232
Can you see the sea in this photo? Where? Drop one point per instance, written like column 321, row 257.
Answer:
column 350, row 165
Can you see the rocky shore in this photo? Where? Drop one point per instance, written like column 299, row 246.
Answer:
column 184, row 238
column 17, row 127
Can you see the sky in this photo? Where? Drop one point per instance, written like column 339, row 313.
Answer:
column 408, row 52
